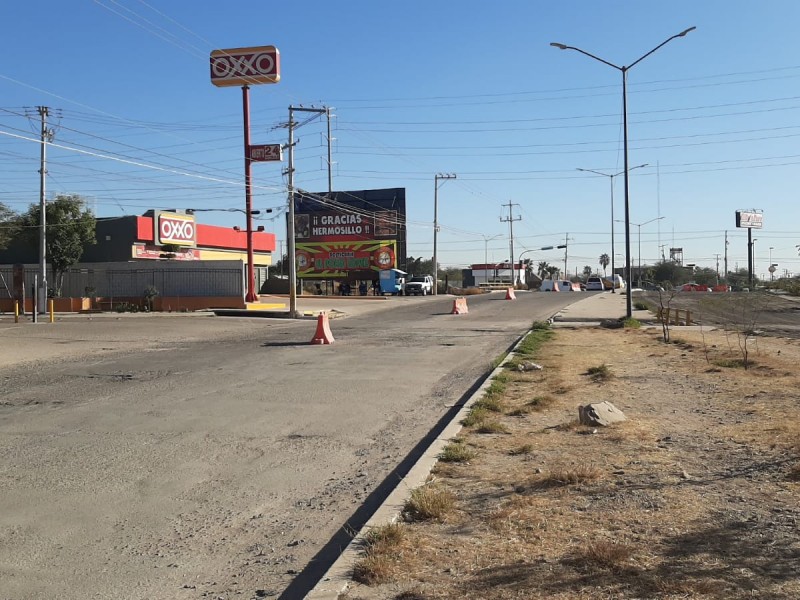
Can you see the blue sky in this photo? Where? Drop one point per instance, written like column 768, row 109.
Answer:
column 419, row 88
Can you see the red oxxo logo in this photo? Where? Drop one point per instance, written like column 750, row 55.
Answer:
column 175, row 229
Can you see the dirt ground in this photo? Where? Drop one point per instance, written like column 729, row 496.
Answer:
column 695, row 496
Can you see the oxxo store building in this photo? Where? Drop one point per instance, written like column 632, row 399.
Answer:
column 191, row 265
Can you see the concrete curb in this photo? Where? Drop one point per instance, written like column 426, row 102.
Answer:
column 338, row 578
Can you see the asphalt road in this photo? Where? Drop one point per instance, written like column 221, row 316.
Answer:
column 222, row 458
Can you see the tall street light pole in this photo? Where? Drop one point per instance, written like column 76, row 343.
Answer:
column 624, row 70
column 771, row 266
column 639, row 270
column 611, row 178
column 444, row 177
column 486, row 240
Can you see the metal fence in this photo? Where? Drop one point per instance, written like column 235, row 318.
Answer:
column 110, row 280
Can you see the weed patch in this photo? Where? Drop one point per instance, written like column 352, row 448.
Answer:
column 599, row 373
column 428, row 502
column 457, row 452
column 604, row 554
column 569, row 476
column 491, row 427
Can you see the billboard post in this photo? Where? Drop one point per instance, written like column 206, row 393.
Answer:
column 750, row 219
column 246, row 66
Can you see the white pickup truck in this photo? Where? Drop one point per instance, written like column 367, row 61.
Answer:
column 420, row 285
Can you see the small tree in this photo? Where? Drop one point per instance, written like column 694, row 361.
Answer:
column 587, row 271
column 70, row 227
column 604, row 262
column 8, row 225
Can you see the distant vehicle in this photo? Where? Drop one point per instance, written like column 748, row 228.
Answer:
column 594, row 284
column 649, row 286
column 420, row 285
column 695, row 287
column 393, row 281
column 615, row 281
column 559, row 285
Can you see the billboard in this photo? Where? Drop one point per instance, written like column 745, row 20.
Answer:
column 245, row 66
column 349, row 234
column 749, row 219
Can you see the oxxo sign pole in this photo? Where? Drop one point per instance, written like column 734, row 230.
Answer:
column 244, row 67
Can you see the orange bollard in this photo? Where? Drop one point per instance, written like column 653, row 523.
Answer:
column 510, row 294
column 323, row 334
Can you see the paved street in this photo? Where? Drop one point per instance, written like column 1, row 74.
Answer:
column 189, row 457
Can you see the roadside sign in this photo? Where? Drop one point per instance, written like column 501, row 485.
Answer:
column 265, row 153
column 245, row 66
column 174, row 228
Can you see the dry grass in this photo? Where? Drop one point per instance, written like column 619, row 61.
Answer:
column 695, row 496
column 491, row 427
column 599, row 373
column 379, row 561
column 541, row 402
column 429, row 502
column 569, row 476
column 604, row 554
column 457, row 452
column 521, row 450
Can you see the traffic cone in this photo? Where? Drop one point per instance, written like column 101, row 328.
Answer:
column 323, row 334
column 510, row 294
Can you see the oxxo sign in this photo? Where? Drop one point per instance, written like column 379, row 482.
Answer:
column 245, row 66
column 175, row 229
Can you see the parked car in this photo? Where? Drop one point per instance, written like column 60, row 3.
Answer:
column 594, row 284
column 615, row 281
column 695, row 287
column 420, row 285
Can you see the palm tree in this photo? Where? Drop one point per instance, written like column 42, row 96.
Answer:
column 542, row 267
column 553, row 271
column 587, row 271
column 604, row 262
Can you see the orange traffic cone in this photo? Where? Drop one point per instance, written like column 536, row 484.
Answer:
column 323, row 334
column 510, row 294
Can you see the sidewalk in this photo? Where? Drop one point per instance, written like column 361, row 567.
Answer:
column 596, row 308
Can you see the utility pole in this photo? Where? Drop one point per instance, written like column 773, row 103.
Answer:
column 717, row 255
column 290, row 253
column 46, row 136
column 510, row 220
column 290, row 240
column 726, row 255
column 330, row 158
column 436, row 178
column 566, row 242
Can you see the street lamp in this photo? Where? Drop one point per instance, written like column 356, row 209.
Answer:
column 624, row 70
column 639, row 225
column 611, row 178
column 486, row 240
column 436, row 178
column 771, row 266
column 561, row 247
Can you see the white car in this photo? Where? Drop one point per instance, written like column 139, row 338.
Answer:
column 420, row 285
column 594, row 284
